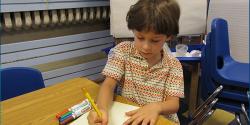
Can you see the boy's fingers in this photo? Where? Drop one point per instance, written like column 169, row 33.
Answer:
column 132, row 112
column 145, row 122
column 152, row 122
column 92, row 118
column 131, row 119
column 105, row 123
column 97, row 120
column 104, row 119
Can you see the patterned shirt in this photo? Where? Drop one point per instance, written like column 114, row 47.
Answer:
column 141, row 84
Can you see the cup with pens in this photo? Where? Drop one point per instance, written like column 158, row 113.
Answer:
column 68, row 115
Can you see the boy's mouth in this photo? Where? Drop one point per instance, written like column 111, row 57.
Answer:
column 145, row 53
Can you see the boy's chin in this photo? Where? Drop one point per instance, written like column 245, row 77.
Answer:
column 148, row 56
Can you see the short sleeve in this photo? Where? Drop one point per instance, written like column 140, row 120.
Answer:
column 175, row 80
column 114, row 67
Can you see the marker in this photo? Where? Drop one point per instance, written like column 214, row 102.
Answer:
column 73, row 108
column 92, row 102
column 58, row 115
column 67, row 120
column 82, row 110
column 64, row 117
column 78, row 112
column 66, row 114
column 77, row 106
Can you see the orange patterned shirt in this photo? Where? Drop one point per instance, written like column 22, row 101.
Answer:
column 141, row 84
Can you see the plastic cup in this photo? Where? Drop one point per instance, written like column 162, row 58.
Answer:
column 181, row 50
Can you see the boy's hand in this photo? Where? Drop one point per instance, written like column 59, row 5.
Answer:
column 145, row 115
column 94, row 119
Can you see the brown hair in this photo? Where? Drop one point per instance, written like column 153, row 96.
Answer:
column 161, row 16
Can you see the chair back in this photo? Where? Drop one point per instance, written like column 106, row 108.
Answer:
column 19, row 80
column 219, row 43
column 219, row 56
column 238, row 25
column 217, row 63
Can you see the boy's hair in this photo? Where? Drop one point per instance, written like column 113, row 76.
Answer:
column 160, row 16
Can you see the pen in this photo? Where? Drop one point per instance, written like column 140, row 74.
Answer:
column 61, row 113
column 75, row 114
column 65, row 115
column 92, row 102
column 84, row 103
column 67, row 120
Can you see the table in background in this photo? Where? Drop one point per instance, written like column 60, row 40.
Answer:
column 194, row 62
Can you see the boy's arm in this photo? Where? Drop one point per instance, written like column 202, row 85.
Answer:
column 106, row 93
column 169, row 106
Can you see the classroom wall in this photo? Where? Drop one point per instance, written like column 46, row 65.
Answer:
column 61, row 50
column 236, row 12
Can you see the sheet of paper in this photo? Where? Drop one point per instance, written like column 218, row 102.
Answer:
column 117, row 115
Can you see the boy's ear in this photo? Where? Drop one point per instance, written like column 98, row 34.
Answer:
column 169, row 37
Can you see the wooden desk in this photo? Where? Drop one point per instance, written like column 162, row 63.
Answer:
column 194, row 66
column 194, row 87
column 40, row 107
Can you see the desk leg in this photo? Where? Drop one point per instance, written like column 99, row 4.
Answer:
column 193, row 96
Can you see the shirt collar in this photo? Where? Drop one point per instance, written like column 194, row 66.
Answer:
column 135, row 53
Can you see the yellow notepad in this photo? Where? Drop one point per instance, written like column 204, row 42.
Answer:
column 116, row 117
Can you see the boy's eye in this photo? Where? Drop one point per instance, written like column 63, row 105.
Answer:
column 155, row 41
column 140, row 38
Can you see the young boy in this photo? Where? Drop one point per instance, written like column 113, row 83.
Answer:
column 142, row 70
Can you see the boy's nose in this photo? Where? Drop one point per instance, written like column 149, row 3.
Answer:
column 146, row 46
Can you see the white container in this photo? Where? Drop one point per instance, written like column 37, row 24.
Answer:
column 181, row 50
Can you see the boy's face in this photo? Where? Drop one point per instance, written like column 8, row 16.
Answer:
column 149, row 44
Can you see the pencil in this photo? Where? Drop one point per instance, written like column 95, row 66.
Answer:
column 92, row 102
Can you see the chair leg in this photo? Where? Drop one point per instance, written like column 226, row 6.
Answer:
column 206, row 109
column 204, row 114
column 202, row 119
column 237, row 117
column 205, row 117
column 207, row 101
column 244, row 113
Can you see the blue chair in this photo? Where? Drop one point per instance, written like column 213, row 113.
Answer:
column 223, row 67
column 208, row 81
column 106, row 50
column 19, row 80
column 218, row 68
